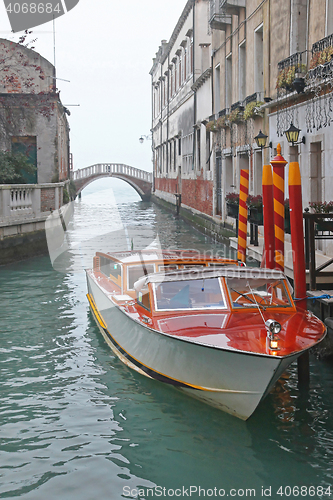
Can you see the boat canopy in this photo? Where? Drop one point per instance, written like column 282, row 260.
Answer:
column 206, row 273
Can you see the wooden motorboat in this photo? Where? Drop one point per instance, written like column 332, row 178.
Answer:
column 223, row 334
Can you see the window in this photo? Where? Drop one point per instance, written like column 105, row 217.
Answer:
column 164, row 91
column 228, row 81
column 143, row 298
column 180, row 70
column 189, row 294
column 207, row 150
column 316, row 173
column 187, row 150
column 136, row 272
column 329, row 17
column 176, row 74
column 168, row 267
column 259, row 60
column 198, row 149
column 217, row 89
column 257, row 292
column 27, row 145
column 111, row 269
column 242, row 71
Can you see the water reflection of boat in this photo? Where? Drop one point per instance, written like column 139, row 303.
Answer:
column 221, row 333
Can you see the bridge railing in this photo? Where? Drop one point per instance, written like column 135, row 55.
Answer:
column 111, row 168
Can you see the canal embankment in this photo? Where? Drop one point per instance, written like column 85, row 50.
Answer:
column 24, row 210
column 213, row 227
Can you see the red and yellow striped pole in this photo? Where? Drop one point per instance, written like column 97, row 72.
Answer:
column 278, row 164
column 242, row 216
column 268, row 213
column 297, row 234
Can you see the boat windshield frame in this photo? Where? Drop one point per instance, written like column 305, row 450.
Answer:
column 254, row 297
column 222, row 305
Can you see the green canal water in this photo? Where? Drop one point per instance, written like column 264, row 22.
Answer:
column 76, row 424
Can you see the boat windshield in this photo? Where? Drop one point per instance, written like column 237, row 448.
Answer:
column 189, row 294
column 254, row 292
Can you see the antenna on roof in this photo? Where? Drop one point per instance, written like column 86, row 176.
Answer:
column 54, row 45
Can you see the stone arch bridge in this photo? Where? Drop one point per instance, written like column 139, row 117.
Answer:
column 140, row 180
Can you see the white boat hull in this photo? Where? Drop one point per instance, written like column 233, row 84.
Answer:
column 230, row 380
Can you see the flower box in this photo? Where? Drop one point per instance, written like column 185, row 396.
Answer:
column 232, row 210
column 255, row 216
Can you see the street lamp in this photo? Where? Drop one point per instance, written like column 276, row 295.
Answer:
column 261, row 141
column 292, row 135
column 143, row 137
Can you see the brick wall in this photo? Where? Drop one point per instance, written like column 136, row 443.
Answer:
column 47, row 199
column 196, row 193
column 166, row 185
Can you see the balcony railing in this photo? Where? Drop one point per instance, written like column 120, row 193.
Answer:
column 288, row 69
column 321, row 64
column 223, row 112
column 251, row 98
column 293, row 60
column 237, row 105
column 324, row 43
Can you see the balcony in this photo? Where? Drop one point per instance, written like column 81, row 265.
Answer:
column 251, row 98
column 288, row 69
column 218, row 20
column 324, row 43
column 321, row 64
column 232, row 7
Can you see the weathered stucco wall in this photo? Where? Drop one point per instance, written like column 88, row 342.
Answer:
column 30, row 108
column 23, row 70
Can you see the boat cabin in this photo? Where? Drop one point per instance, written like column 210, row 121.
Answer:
column 124, row 269
column 230, row 288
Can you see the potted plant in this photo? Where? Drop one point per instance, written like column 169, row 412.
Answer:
column 319, row 207
column 221, row 122
column 232, row 200
column 250, row 109
column 321, row 57
column 255, row 212
column 211, row 126
column 287, row 75
column 235, row 116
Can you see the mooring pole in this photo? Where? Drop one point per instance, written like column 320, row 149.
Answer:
column 297, row 242
column 242, row 216
column 278, row 164
column 268, row 213
column 297, row 234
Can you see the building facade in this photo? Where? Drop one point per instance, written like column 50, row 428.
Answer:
column 258, row 65
column 33, row 120
column 181, row 80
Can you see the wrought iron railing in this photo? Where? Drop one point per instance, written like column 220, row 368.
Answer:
column 236, row 105
column 223, row 112
column 293, row 60
column 322, row 44
column 251, row 98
